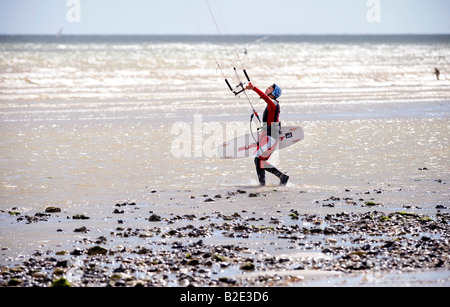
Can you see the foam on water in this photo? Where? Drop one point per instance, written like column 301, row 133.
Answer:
column 181, row 71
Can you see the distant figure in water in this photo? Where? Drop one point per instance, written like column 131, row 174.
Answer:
column 437, row 73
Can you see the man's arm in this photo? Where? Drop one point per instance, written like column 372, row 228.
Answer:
column 261, row 94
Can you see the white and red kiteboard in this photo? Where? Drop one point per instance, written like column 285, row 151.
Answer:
column 245, row 146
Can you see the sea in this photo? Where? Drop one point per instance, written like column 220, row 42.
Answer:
column 48, row 78
column 90, row 121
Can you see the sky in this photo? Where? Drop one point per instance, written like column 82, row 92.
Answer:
column 244, row 17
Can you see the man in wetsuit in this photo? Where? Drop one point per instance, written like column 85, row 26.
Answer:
column 271, row 130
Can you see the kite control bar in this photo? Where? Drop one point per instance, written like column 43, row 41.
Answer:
column 240, row 87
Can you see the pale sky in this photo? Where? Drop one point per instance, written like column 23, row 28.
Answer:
column 233, row 16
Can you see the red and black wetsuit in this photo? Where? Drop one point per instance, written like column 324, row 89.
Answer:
column 271, row 126
column 272, row 111
column 268, row 140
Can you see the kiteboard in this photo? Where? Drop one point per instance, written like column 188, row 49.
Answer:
column 246, row 146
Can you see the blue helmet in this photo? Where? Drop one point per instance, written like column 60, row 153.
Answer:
column 277, row 92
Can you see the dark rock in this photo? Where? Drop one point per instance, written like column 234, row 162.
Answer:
column 154, row 218
column 81, row 229
column 52, row 210
column 77, row 252
column 80, row 217
column 329, row 231
column 97, row 250
column 254, row 194
column 193, row 262
column 248, row 266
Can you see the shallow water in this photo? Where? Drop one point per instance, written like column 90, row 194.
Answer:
column 93, row 163
column 175, row 71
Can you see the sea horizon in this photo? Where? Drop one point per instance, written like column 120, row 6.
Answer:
column 443, row 37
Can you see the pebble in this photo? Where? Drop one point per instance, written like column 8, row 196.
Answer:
column 154, row 218
column 52, row 210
